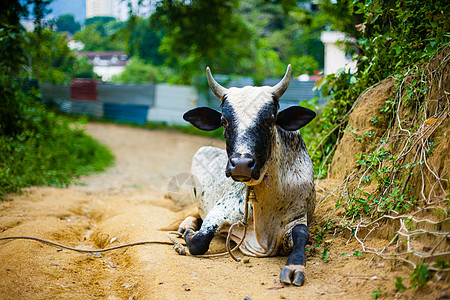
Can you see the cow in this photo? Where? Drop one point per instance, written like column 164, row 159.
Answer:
column 264, row 149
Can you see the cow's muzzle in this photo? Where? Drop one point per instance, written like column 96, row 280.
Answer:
column 241, row 168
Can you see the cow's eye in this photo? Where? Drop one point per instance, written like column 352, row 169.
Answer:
column 224, row 122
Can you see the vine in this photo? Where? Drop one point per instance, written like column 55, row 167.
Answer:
column 393, row 183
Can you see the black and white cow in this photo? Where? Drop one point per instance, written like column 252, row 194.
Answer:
column 264, row 149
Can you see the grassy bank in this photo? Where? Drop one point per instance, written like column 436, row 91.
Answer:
column 40, row 147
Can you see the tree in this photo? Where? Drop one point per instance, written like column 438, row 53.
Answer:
column 143, row 40
column 67, row 23
column 200, row 33
column 83, row 68
column 139, row 71
column 292, row 34
column 12, row 58
column 101, row 19
column 252, row 37
column 49, row 57
column 99, row 37
column 12, row 54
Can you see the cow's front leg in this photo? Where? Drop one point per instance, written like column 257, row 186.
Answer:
column 294, row 270
column 198, row 242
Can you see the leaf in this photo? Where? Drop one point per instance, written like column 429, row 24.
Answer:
column 399, row 284
column 375, row 294
column 420, row 276
column 441, row 264
column 430, row 121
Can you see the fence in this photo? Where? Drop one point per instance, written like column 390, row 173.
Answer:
column 119, row 102
column 139, row 103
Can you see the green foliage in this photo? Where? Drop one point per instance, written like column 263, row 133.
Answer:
column 376, row 293
column 399, row 284
column 320, row 233
column 357, row 253
column 344, row 15
column 43, row 149
column 83, row 68
column 332, row 119
column 12, row 54
column 386, row 30
column 101, row 37
column 419, row 277
column 67, row 23
column 36, row 146
column 249, row 38
column 139, row 71
column 49, row 57
column 201, row 33
column 325, row 255
column 246, row 38
column 441, row 264
column 393, row 39
column 143, row 40
column 379, row 166
column 292, row 31
column 98, row 19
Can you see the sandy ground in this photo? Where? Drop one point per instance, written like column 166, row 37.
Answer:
column 127, row 203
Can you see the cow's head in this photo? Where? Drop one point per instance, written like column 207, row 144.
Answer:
column 249, row 118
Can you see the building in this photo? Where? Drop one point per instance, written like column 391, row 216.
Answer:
column 335, row 56
column 106, row 63
column 119, row 9
column 102, row 8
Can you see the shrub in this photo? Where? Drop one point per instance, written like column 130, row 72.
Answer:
column 38, row 147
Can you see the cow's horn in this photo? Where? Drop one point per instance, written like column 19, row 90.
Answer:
column 281, row 87
column 217, row 89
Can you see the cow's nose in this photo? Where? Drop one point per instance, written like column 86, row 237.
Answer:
column 240, row 168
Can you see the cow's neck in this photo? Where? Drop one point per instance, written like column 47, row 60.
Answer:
column 285, row 152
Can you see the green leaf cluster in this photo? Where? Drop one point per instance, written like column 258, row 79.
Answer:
column 101, row 36
column 49, row 59
column 391, row 38
column 67, row 23
column 419, row 277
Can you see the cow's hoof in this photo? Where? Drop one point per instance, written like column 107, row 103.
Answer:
column 294, row 274
column 188, row 223
column 188, row 236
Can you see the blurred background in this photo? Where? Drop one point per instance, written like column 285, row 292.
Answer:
column 143, row 62
column 95, row 51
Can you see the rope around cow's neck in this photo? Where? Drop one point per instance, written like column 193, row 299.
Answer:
column 249, row 196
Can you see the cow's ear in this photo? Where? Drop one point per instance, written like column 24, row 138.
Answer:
column 294, row 118
column 203, row 118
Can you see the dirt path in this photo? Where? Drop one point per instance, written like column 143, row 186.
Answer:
column 127, row 204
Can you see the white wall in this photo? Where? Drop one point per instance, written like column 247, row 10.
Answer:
column 107, row 72
column 171, row 102
column 334, row 52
